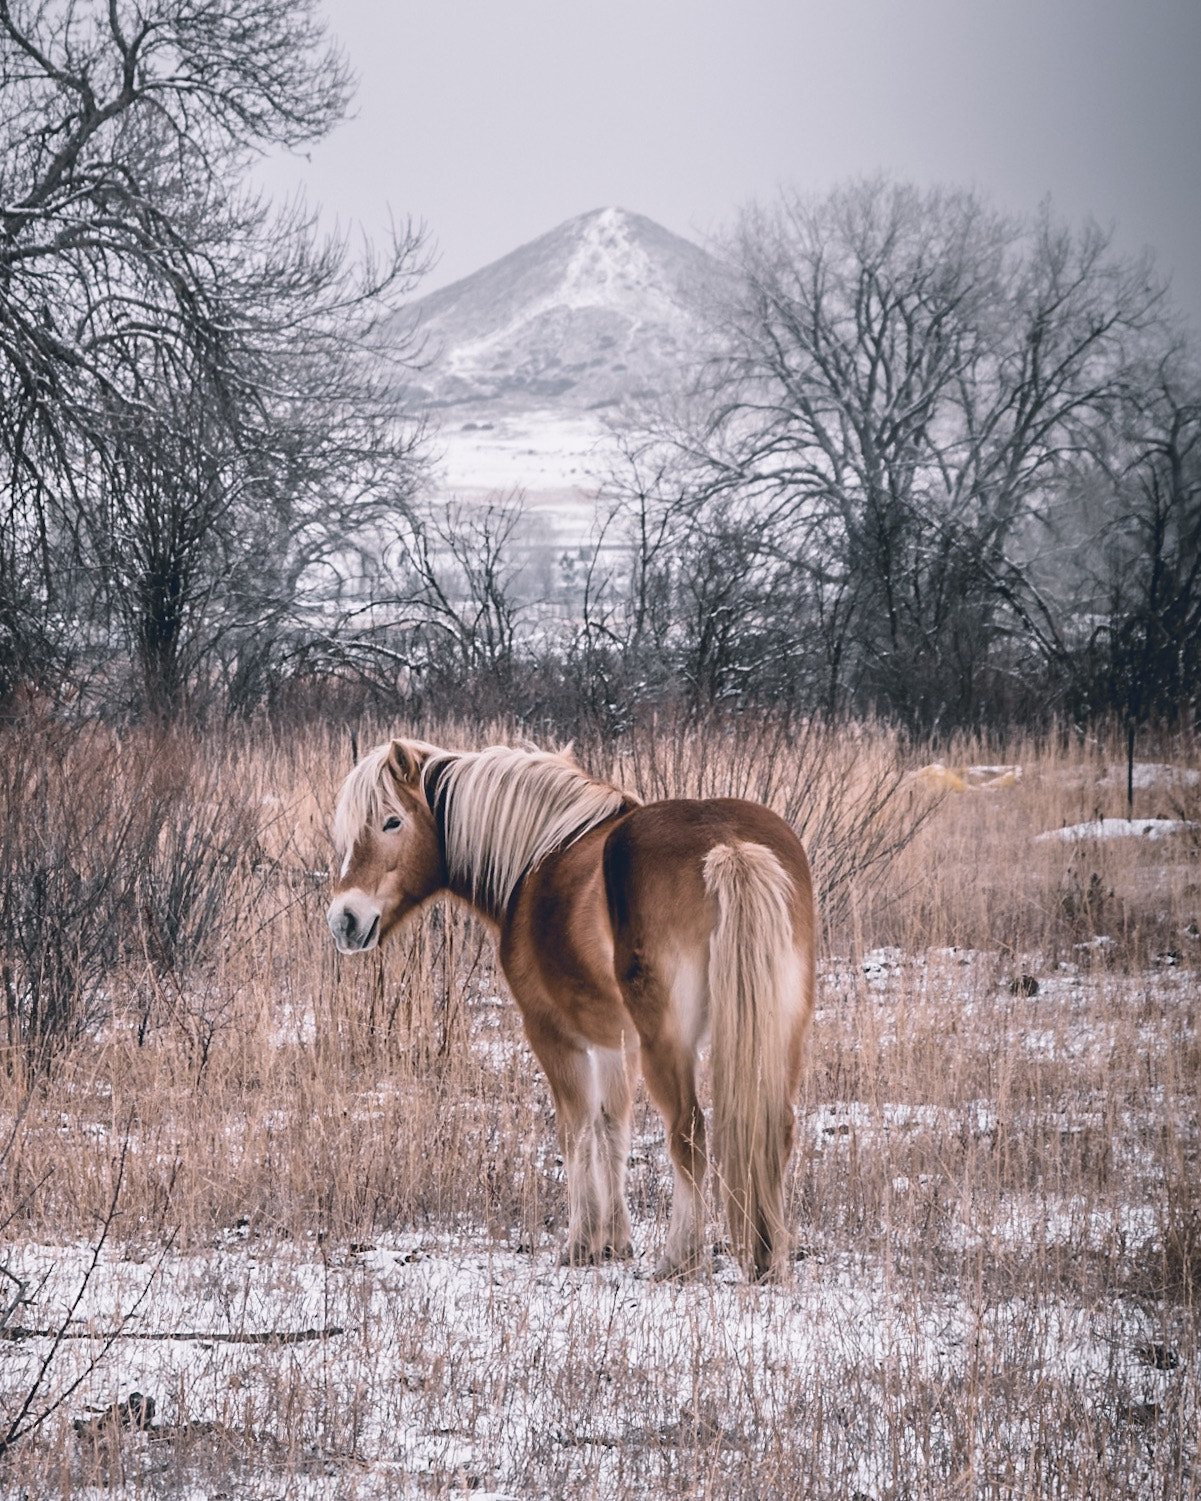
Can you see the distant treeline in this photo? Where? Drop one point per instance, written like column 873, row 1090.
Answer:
column 946, row 467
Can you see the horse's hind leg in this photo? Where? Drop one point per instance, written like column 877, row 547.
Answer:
column 669, row 1068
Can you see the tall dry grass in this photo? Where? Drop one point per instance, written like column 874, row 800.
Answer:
column 977, row 876
column 1019, row 1154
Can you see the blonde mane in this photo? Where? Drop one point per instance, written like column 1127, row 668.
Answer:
column 505, row 809
column 368, row 796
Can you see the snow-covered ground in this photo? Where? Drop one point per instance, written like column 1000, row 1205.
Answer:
column 1148, row 776
column 535, row 451
column 428, row 1365
column 891, row 1360
column 556, row 459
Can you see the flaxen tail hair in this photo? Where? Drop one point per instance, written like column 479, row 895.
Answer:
column 755, row 996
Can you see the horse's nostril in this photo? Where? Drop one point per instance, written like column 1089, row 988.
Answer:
column 355, row 924
column 342, row 924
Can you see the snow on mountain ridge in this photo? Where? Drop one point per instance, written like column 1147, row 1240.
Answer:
column 603, row 307
column 607, row 257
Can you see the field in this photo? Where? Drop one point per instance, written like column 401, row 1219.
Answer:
column 311, row 1205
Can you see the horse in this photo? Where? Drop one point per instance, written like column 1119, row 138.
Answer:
column 628, row 932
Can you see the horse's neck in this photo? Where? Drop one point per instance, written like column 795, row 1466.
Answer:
column 472, row 873
column 509, row 820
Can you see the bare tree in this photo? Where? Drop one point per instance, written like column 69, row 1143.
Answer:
column 1142, row 658
column 906, row 376
column 180, row 366
column 457, row 571
column 626, row 637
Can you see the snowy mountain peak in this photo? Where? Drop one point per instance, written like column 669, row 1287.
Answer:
column 611, row 260
column 604, row 307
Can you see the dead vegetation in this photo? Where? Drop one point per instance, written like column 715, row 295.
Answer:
column 996, row 1204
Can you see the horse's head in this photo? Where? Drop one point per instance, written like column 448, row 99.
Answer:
column 388, row 840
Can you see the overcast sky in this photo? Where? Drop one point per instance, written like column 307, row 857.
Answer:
column 494, row 120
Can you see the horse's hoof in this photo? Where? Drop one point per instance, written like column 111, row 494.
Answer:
column 667, row 1270
column 620, row 1253
column 577, row 1254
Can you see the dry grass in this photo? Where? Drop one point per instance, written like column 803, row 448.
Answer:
column 978, row 877
column 996, row 1196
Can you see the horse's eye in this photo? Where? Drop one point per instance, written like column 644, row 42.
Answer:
column 392, row 824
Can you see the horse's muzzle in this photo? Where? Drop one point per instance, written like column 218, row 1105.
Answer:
column 354, row 930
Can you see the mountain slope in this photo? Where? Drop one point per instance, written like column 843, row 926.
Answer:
column 605, row 307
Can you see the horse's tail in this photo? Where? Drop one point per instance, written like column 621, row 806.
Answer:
column 758, row 996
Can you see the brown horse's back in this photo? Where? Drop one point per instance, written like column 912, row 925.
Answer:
column 664, row 912
column 618, row 925
column 654, row 859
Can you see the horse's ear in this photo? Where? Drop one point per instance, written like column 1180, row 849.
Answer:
column 405, row 761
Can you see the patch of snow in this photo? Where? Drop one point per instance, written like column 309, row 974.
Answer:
column 1119, row 828
column 295, row 1025
column 466, row 1366
column 1150, row 775
column 554, row 458
column 459, row 1363
column 881, row 962
column 854, row 1117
